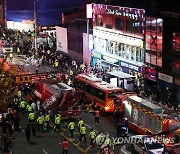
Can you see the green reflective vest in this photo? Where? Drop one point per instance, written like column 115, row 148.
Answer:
column 19, row 93
column 80, row 123
column 31, row 116
column 40, row 120
column 57, row 120
column 92, row 134
column 23, row 104
column 71, row 125
column 83, row 130
column 47, row 117
column 29, row 108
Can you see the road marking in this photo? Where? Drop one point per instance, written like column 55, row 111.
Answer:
column 73, row 143
column 45, row 151
column 90, row 127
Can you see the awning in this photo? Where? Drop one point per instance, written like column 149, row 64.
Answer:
column 121, row 74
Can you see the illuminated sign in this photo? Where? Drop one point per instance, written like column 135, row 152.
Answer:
column 130, row 66
column 132, row 13
column 110, row 60
column 165, row 77
column 89, row 11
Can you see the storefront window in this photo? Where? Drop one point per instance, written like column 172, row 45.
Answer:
column 176, row 42
column 119, row 24
column 154, row 41
column 99, row 21
column 133, row 27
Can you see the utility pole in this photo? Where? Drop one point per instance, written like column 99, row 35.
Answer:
column 35, row 23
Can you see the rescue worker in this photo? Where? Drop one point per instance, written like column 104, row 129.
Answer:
column 40, row 123
column 92, row 136
column 83, row 133
column 29, row 108
column 97, row 117
column 23, row 106
column 31, row 117
column 18, row 51
column 56, row 65
column 19, row 94
column 65, row 145
column 80, row 123
column 11, row 57
column 71, row 128
column 57, row 122
column 16, row 103
column 47, row 118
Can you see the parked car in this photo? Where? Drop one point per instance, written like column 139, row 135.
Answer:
column 146, row 145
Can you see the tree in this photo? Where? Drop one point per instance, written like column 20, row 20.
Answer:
column 6, row 83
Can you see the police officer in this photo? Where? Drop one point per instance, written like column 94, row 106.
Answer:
column 92, row 136
column 83, row 133
column 47, row 118
column 80, row 123
column 71, row 128
column 40, row 123
column 23, row 106
column 11, row 57
column 19, row 94
column 29, row 108
column 16, row 103
column 57, row 122
column 31, row 117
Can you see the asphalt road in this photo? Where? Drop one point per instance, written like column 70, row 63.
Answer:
column 50, row 142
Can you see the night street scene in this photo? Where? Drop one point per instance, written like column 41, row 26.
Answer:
column 89, row 76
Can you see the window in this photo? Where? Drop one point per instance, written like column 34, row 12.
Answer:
column 114, row 94
column 119, row 24
column 21, row 78
column 176, row 42
column 133, row 27
column 26, row 78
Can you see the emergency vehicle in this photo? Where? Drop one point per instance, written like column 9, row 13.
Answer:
column 58, row 96
column 21, row 75
column 147, row 117
column 94, row 89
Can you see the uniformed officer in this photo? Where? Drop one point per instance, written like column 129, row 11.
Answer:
column 47, row 118
column 23, row 106
column 11, row 57
column 71, row 128
column 29, row 108
column 92, row 136
column 80, row 123
column 19, row 93
column 40, row 123
column 57, row 122
column 83, row 133
column 31, row 117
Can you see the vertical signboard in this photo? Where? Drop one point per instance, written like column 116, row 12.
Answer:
column 61, row 39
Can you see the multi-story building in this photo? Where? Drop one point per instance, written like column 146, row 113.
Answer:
column 144, row 41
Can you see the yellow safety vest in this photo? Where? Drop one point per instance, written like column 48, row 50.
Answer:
column 31, row 116
column 48, row 117
column 57, row 120
column 80, row 123
column 40, row 120
column 83, row 130
column 92, row 135
column 71, row 125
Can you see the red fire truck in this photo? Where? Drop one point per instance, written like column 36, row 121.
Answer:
column 145, row 116
column 58, row 96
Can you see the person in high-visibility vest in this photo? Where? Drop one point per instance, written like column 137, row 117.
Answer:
column 19, row 93
column 11, row 57
column 23, row 106
column 56, row 65
column 47, row 118
column 18, row 51
column 80, row 123
column 83, row 133
column 71, row 128
column 29, row 108
column 57, row 123
column 65, row 145
column 92, row 136
column 97, row 117
column 40, row 122
column 31, row 117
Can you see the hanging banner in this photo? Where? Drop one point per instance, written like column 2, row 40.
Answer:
column 61, row 39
